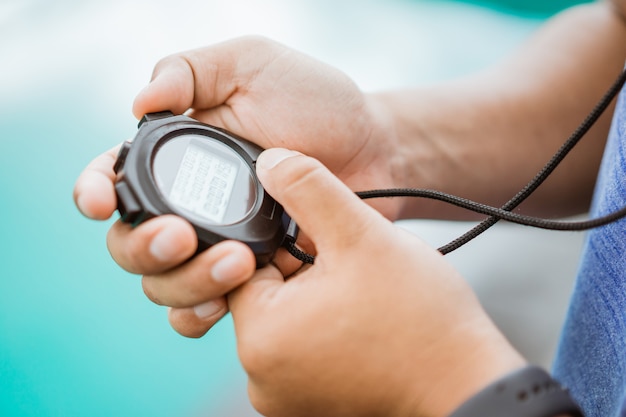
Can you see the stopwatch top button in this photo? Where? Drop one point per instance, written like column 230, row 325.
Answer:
column 155, row 116
column 121, row 156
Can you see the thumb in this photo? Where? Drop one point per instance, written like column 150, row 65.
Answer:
column 322, row 206
column 200, row 78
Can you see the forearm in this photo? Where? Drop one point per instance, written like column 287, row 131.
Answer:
column 485, row 136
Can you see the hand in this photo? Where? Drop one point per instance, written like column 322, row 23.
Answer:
column 380, row 325
column 268, row 94
column 278, row 97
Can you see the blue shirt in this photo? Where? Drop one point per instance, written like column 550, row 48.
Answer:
column 591, row 358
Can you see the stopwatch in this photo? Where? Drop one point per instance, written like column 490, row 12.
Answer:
column 205, row 174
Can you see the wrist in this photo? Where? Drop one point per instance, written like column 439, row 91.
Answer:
column 462, row 367
column 474, row 375
column 526, row 392
column 428, row 147
column 388, row 157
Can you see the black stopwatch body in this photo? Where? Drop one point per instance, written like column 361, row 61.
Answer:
column 177, row 165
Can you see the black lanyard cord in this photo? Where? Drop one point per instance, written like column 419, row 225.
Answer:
column 505, row 212
column 494, row 212
column 541, row 176
column 499, row 213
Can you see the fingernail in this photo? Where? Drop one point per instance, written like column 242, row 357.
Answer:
column 162, row 246
column 272, row 157
column 228, row 269
column 206, row 310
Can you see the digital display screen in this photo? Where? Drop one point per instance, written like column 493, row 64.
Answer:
column 204, row 183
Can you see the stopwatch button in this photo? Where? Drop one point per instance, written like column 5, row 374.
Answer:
column 121, row 156
column 155, row 116
column 127, row 204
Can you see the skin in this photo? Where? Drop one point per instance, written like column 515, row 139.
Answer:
column 324, row 340
column 387, row 298
column 510, row 118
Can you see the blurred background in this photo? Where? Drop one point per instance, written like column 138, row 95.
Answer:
column 77, row 336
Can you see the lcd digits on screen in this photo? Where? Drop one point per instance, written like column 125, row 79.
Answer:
column 204, row 183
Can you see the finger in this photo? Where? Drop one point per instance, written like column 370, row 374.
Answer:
column 171, row 88
column 202, row 78
column 196, row 321
column 154, row 246
column 94, row 191
column 323, row 207
column 286, row 263
column 208, row 276
column 249, row 299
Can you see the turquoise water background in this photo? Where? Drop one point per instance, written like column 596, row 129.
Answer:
column 77, row 336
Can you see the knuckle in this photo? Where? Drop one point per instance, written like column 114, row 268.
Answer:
column 121, row 251
column 148, row 290
column 302, row 173
column 299, row 184
column 169, row 60
column 257, row 41
column 134, row 256
column 195, row 284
